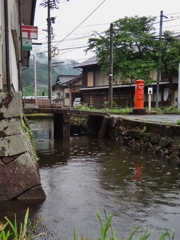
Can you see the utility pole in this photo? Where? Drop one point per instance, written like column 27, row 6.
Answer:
column 159, row 59
column 49, row 52
column 178, row 99
column 110, row 97
column 35, row 80
column 50, row 4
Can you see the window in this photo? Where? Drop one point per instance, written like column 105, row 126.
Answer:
column 67, row 95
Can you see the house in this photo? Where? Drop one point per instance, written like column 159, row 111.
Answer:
column 13, row 14
column 74, row 85
column 62, row 89
column 95, row 88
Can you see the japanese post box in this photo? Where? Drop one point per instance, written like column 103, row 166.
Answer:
column 139, row 93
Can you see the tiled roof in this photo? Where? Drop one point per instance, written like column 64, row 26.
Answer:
column 77, row 78
column 90, row 61
column 64, row 78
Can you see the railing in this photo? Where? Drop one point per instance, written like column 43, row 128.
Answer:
column 41, row 103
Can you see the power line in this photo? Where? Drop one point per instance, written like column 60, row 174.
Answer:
column 80, row 23
column 172, row 13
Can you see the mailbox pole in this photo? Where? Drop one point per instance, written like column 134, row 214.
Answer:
column 150, row 92
column 149, row 103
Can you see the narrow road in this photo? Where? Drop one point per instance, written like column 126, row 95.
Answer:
column 166, row 119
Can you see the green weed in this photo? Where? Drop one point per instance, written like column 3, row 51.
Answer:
column 178, row 122
column 107, row 232
column 23, row 232
column 143, row 130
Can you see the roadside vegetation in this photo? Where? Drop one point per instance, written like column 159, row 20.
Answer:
column 128, row 110
column 26, row 231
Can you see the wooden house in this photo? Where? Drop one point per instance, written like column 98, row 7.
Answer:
column 62, row 89
column 95, row 88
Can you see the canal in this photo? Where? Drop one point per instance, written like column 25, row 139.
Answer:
column 84, row 175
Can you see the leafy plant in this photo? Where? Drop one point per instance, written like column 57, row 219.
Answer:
column 23, row 232
column 106, row 227
column 143, row 130
column 178, row 122
column 106, row 105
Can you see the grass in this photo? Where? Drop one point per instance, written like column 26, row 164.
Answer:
column 128, row 110
column 105, row 110
column 11, row 230
column 107, row 232
column 26, row 231
column 178, row 122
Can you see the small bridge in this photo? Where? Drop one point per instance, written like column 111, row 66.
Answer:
column 97, row 122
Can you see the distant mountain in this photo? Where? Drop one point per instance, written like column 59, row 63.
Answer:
column 59, row 67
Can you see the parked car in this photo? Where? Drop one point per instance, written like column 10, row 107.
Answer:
column 77, row 102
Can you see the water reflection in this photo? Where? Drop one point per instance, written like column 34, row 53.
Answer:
column 85, row 174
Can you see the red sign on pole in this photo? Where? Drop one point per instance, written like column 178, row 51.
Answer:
column 29, row 32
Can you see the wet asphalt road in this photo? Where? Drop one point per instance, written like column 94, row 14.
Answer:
column 163, row 119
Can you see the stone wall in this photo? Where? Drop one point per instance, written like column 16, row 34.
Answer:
column 19, row 178
column 161, row 139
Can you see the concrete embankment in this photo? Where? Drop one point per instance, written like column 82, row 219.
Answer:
column 151, row 133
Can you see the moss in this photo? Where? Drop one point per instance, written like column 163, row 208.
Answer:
column 25, row 126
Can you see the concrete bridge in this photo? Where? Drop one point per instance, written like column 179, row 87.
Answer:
column 96, row 121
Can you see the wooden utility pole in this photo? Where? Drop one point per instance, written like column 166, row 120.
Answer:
column 49, row 52
column 159, row 59
column 110, row 95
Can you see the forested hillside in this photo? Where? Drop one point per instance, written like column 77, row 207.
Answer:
column 64, row 67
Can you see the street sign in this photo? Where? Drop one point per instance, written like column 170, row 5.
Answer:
column 29, row 32
column 27, row 44
column 150, row 90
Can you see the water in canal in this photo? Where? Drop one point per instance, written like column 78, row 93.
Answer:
column 84, row 175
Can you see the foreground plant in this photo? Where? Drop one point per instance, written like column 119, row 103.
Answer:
column 23, row 232
column 107, row 232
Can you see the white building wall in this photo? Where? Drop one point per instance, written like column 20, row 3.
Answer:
column 14, row 43
column 1, row 43
column 66, row 99
column 13, row 65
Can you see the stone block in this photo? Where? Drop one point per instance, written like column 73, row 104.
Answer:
column 20, row 177
column 9, row 127
column 11, row 105
column 12, row 145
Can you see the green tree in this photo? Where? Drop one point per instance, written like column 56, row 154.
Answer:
column 134, row 48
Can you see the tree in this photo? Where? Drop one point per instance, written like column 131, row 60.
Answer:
column 134, row 48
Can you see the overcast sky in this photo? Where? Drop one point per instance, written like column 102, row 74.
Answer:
column 76, row 20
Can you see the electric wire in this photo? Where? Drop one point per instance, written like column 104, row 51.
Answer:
column 80, row 23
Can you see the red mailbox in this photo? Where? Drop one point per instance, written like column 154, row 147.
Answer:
column 139, row 94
